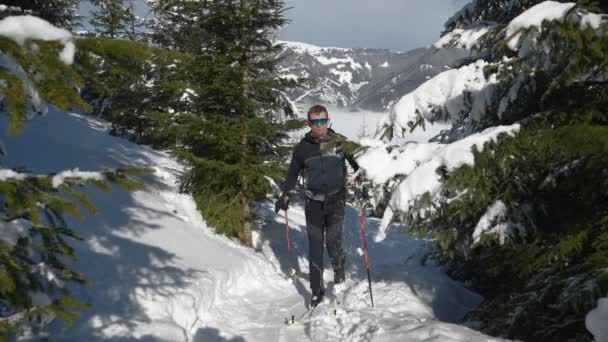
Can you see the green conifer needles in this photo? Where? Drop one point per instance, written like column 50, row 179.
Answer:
column 36, row 242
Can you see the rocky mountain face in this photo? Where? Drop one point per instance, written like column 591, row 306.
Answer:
column 372, row 79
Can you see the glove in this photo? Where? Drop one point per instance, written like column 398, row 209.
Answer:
column 282, row 203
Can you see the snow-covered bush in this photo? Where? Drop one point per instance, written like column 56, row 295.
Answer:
column 520, row 216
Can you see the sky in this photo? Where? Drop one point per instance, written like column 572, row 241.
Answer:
column 391, row 24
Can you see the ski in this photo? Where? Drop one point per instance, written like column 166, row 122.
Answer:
column 333, row 305
column 300, row 321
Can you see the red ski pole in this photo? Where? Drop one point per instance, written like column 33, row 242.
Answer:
column 287, row 232
column 366, row 255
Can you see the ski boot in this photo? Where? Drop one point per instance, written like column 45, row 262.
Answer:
column 317, row 297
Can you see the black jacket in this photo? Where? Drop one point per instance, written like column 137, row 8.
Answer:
column 323, row 163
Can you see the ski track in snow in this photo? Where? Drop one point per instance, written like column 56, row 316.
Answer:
column 160, row 274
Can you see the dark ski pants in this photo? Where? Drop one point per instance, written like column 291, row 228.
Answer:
column 324, row 221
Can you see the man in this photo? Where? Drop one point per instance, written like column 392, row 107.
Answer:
column 321, row 155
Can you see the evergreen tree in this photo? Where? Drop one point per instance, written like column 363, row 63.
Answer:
column 541, row 264
column 133, row 23
column 175, row 24
column 111, row 17
column 139, row 88
column 232, row 137
column 488, row 12
column 214, row 99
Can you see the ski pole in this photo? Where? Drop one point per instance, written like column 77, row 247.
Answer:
column 293, row 271
column 287, row 232
column 362, row 225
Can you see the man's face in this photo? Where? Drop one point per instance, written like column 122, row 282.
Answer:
column 318, row 128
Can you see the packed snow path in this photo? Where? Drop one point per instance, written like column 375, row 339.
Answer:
column 160, row 274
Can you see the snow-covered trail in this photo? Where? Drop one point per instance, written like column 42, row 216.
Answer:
column 160, row 274
column 413, row 297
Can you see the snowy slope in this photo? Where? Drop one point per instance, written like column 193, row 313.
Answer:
column 160, row 274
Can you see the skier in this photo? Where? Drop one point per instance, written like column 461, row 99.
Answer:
column 321, row 154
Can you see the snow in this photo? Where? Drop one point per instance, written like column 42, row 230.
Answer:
column 547, row 11
column 418, row 162
column 495, row 212
column 495, row 222
column 354, row 87
column 384, row 65
column 304, row 47
column 59, row 178
column 343, row 76
column 592, row 20
column 443, row 94
column 21, row 28
column 159, row 272
column 461, row 38
column 6, row 174
column 534, row 17
column 290, row 77
column 13, row 230
column 334, row 60
column 596, row 320
column 188, row 95
column 67, row 54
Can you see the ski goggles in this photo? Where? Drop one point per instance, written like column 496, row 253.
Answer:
column 317, row 122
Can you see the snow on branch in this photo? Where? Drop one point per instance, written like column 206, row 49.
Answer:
column 58, row 179
column 445, row 97
column 461, row 38
column 24, row 27
column 495, row 221
column 534, row 17
column 61, row 177
column 520, row 29
column 13, row 230
column 419, row 168
column 464, row 96
column 523, row 30
column 6, row 174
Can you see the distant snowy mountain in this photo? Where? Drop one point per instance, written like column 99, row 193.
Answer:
column 371, row 79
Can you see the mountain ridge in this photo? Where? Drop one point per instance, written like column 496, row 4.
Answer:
column 366, row 78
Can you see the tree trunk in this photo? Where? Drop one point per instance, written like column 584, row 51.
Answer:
column 246, row 237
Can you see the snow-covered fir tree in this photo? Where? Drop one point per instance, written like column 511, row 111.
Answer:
column 514, row 194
